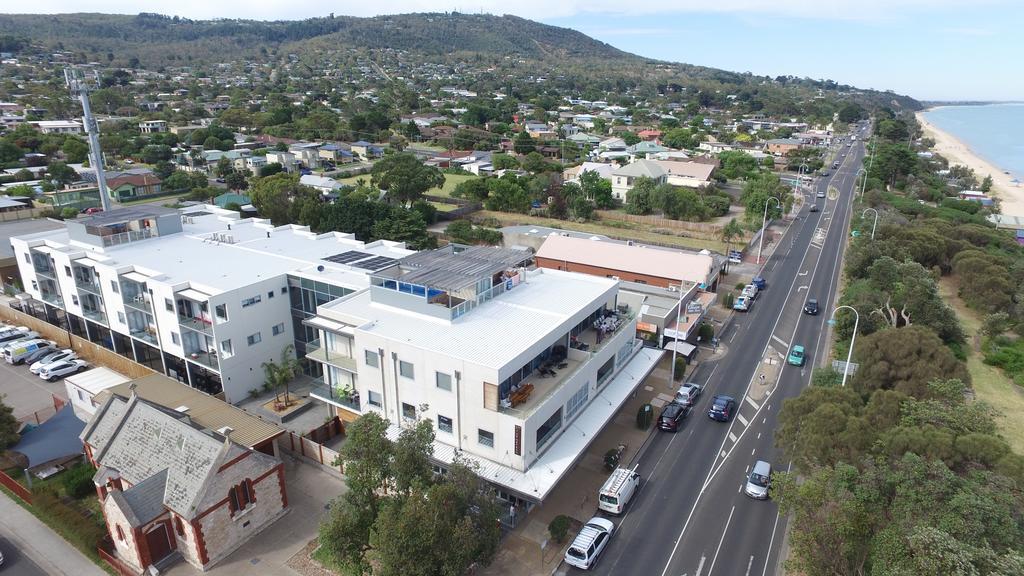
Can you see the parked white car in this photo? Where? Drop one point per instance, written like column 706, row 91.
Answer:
column 55, row 356
column 62, row 369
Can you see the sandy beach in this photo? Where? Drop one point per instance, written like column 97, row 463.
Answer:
column 1010, row 195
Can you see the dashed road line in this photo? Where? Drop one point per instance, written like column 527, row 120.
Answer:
column 732, row 437
column 752, row 403
column 741, row 419
column 780, row 340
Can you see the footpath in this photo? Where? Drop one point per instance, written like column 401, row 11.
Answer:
column 44, row 546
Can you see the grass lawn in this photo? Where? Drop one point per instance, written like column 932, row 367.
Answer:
column 620, row 230
column 990, row 384
column 450, row 182
column 442, row 207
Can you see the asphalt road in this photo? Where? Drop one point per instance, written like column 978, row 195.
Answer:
column 16, row 563
column 690, row 516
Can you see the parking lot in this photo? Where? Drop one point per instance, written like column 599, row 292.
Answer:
column 27, row 393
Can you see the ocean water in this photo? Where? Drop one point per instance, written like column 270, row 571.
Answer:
column 993, row 132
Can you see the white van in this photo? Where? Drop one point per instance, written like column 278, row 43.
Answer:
column 16, row 354
column 618, row 490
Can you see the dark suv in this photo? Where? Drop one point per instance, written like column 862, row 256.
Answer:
column 811, row 307
column 722, row 408
column 672, row 416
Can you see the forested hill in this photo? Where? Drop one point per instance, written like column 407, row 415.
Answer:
column 424, row 33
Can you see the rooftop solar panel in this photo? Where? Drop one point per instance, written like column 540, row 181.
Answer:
column 348, row 257
column 377, row 263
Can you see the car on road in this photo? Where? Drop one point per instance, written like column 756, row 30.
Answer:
column 821, row 193
column 760, row 282
column 593, row 538
column 742, row 304
column 796, row 357
column 722, row 408
column 51, row 357
column 825, row 172
column 688, row 394
column 750, row 291
column 813, row 208
column 811, row 307
column 672, row 416
column 62, row 369
column 835, row 165
column 759, row 480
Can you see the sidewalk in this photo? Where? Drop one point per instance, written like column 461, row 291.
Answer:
column 35, row 539
column 521, row 552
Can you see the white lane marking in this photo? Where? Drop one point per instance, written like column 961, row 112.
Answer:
column 700, row 565
column 801, row 288
column 723, row 456
column 780, row 341
column 733, row 337
column 740, row 488
column 774, row 528
column 752, row 403
column 741, row 419
column 715, row 557
column 749, row 564
column 732, row 437
column 759, row 434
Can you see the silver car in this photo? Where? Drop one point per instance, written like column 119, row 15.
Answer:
column 759, row 480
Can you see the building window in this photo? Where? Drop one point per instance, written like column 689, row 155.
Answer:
column 221, row 311
column 179, row 527
column 27, row 259
column 372, row 359
column 121, row 318
column 444, row 424
column 175, row 338
column 547, row 429
column 444, row 381
column 67, row 271
column 406, row 369
column 115, row 287
column 284, row 290
column 485, row 438
column 253, row 339
column 168, row 305
column 578, row 400
column 74, row 299
column 278, row 329
column 120, row 533
column 270, row 294
column 251, row 301
column 374, row 398
column 225, row 347
column 241, row 495
column 35, row 285
column 408, row 411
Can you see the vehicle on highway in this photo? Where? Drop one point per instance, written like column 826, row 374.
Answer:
column 750, row 291
column 93, row 210
column 742, row 304
column 796, row 356
column 62, row 369
column 618, row 490
column 825, row 172
column 811, row 307
column 813, row 208
column 688, row 394
column 722, row 408
column 589, row 543
column 51, row 357
column 16, row 354
column 672, row 416
column 39, row 353
column 821, row 193
column 760, row 282
column 759, row 480
column 835, row 165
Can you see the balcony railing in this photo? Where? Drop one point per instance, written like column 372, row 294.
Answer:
column 148, row 335
column 317, row 353
column 197, row 324
column 208, row 359
column 127, row 237
column 89, row 285
column 46, row 271
column 53, row 298
column 95, row 315
column 137, row 302
column 345, row 398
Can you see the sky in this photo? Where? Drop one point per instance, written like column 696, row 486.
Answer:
column 928, row 49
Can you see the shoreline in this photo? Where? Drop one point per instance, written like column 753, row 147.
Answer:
column 1010, row 196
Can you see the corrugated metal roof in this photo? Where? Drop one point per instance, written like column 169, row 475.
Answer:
column 203, row 409
column 657, row 262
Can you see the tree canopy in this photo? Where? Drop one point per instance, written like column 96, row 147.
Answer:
column 405, row 178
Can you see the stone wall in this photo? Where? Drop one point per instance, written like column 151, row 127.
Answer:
column 127, row 551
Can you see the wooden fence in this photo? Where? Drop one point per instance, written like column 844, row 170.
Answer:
column 14, row 486
column 311, row 451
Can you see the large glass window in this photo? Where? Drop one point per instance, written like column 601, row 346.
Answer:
column 374, row 398
column 578, row 400
column 444, row 381
column 408, row 411
column 444, row 424
column 485, row 438
column 406, row 369
column 371, row 358
column 547, row 429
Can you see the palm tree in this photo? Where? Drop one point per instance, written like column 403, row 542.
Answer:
column 280, row 374
column 730, row 232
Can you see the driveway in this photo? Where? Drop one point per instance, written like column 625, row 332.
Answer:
column 309, row 491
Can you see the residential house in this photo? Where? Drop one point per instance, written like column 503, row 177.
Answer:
column 367, row 151
column 650, row 134
column 321, row 184
column 691, row 174
column 623, row 178
column 58, row 126
column 601, row 168
column 645, row 149
column 508, row 362
column 285, row 159
column 335, row 153
column 166, row 484
column 306, row 153
column 254, row 163
column 132, row 186
column 153, row 126
column 782, row 146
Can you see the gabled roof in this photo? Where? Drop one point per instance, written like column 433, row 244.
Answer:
column 144, row 501
column 648, row 168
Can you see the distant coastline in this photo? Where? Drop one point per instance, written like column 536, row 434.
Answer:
column 935, row 105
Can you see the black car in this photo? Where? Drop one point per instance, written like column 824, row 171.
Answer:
column 39, row 353
column 672, row 416
column 722, row 408
column 811, row 307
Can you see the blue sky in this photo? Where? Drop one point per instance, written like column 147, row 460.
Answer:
column 929, row 49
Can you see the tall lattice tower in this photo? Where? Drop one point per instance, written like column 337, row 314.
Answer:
column 80, row 88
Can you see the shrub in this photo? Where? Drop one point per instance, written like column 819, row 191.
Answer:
column 728, row 300
column 78, row 481
column 69, row 213
column 706, row 332
column 559, row 528
column 740, row 285
column 643, row 418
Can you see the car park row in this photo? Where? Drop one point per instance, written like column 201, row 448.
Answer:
column 20, row 345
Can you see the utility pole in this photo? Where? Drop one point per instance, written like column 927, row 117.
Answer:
column 80, row 88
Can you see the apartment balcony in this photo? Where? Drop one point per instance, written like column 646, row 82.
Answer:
column 147, row 335
column 95, row 315
column 127, row 237
column 45, row 271
column 137, row 302
column 347, row 399
column 197, row 324
column 208, row 359
column 88, row 284
column 315, row 352
column 53, row 298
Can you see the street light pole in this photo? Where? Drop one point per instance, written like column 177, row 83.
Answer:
column 873, row 226
column 862, row 173
column 856, row 323
column 764, row 222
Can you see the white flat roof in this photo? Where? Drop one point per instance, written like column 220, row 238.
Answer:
column 96, row 380
column 494, row 333
column 541, row 477
column 259, row 251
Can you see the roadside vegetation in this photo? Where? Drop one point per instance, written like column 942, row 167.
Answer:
column 909, row 470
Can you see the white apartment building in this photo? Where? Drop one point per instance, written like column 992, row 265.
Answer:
column 202, row 296
column 517, row 368
column 58, row 126
column 153, row 126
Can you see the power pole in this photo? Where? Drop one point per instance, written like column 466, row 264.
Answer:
column 80, row 88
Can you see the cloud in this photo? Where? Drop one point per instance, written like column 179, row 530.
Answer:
column 535, row 9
